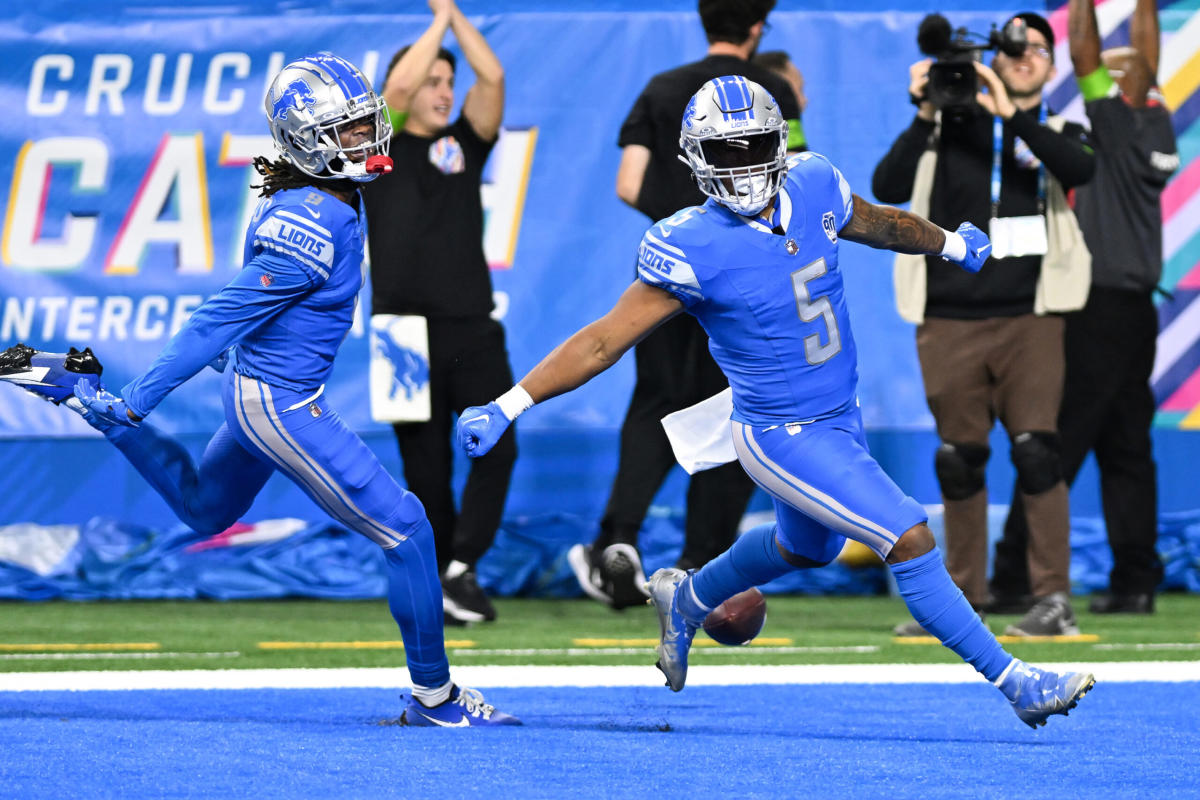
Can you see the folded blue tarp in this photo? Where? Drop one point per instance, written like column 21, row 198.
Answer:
column 103, row 559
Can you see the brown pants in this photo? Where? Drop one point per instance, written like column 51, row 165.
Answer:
column 976, row 371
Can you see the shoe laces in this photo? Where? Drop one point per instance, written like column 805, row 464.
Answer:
column 472, row 701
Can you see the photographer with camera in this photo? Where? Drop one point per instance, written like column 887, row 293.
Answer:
column 990, row 344
column 1108, row 407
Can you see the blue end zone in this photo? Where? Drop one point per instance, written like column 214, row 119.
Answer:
column 929, row 741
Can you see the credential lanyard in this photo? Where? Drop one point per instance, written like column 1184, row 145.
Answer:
column 997, row 147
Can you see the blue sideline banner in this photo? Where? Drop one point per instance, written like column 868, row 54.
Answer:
column 126, row 149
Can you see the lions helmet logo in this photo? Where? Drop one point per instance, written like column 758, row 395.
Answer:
column 297, row 95
column 689, row 113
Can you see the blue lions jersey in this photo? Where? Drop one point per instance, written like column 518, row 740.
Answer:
column 773, row 305
column 287, row 311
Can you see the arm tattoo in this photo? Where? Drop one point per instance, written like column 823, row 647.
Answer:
column 888, row 228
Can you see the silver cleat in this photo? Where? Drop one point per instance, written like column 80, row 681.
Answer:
column 675, row 633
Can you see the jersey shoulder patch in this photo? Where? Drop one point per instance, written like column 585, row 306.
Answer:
column 300, row 225
column 813, row 169
column 663, row 254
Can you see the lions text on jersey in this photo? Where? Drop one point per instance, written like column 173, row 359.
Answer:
column 289, row 308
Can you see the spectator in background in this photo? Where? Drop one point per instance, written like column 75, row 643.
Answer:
column 1107, row 404
column 674, row 368
column 425, row 228
column 990, row 344
column 779, row 62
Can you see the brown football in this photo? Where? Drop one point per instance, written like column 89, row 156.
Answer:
column 739, row 619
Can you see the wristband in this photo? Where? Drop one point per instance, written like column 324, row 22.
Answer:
column 1097, row 84
column 515, row 402
column 955, row 248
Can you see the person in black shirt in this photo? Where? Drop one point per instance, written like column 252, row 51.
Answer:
column 988, row 343
column 1107, row 405
column 425, row 235
column 779, row 62
column 674, row 368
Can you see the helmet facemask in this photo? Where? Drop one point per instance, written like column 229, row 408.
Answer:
column 734, row 139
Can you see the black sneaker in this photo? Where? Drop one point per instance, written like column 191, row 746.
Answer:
column 622, row 576
column 1109, row 603
column 1050, row 616
column 463, row 600
column 587, row 572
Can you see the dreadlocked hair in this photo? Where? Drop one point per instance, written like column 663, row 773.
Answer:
column 280, row 174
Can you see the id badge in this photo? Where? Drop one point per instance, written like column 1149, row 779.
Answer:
column 399, row 371
column 1018, row 236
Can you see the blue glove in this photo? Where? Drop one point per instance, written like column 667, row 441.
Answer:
column 103, row 408
column 979, row 247
column 480, row 427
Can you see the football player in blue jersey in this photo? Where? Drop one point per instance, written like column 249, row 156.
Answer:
column 757, row 264
column 279, row 324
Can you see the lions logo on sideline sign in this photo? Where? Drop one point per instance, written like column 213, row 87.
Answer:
column 399, row 371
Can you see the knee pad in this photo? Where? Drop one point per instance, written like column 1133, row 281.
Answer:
column 1035, row 455
column 960, row 469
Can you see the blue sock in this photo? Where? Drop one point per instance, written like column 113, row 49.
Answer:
column 940, row 608
column 415, row 600
column 752, row 561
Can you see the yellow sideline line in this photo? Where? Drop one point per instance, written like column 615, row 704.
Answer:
column 382, row 645
column 1082, row 637
column 761, row 641
column 62, row 647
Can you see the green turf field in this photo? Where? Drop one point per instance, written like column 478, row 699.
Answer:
column 305, row 633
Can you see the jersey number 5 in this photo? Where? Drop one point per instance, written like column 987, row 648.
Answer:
column 811, row 310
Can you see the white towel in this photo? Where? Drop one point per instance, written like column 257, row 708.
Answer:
column 701, row 435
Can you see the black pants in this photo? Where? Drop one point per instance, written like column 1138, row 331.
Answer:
column 468, row 366
column 674, row 370
column 1107, row 408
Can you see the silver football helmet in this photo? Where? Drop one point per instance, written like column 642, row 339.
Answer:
column 315, row 100
column 734, row 138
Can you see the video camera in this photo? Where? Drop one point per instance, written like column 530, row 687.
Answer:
column 952, row 77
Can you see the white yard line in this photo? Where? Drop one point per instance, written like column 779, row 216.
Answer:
column 582, row 676
column 1149, row 646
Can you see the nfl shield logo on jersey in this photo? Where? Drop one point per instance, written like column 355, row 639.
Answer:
column 830, row 227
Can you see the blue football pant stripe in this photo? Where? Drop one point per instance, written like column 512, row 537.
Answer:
column 828, row 485
column 341, row 474
column 327, row 460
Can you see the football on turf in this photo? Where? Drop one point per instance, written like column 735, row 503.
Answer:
column 739, row 619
